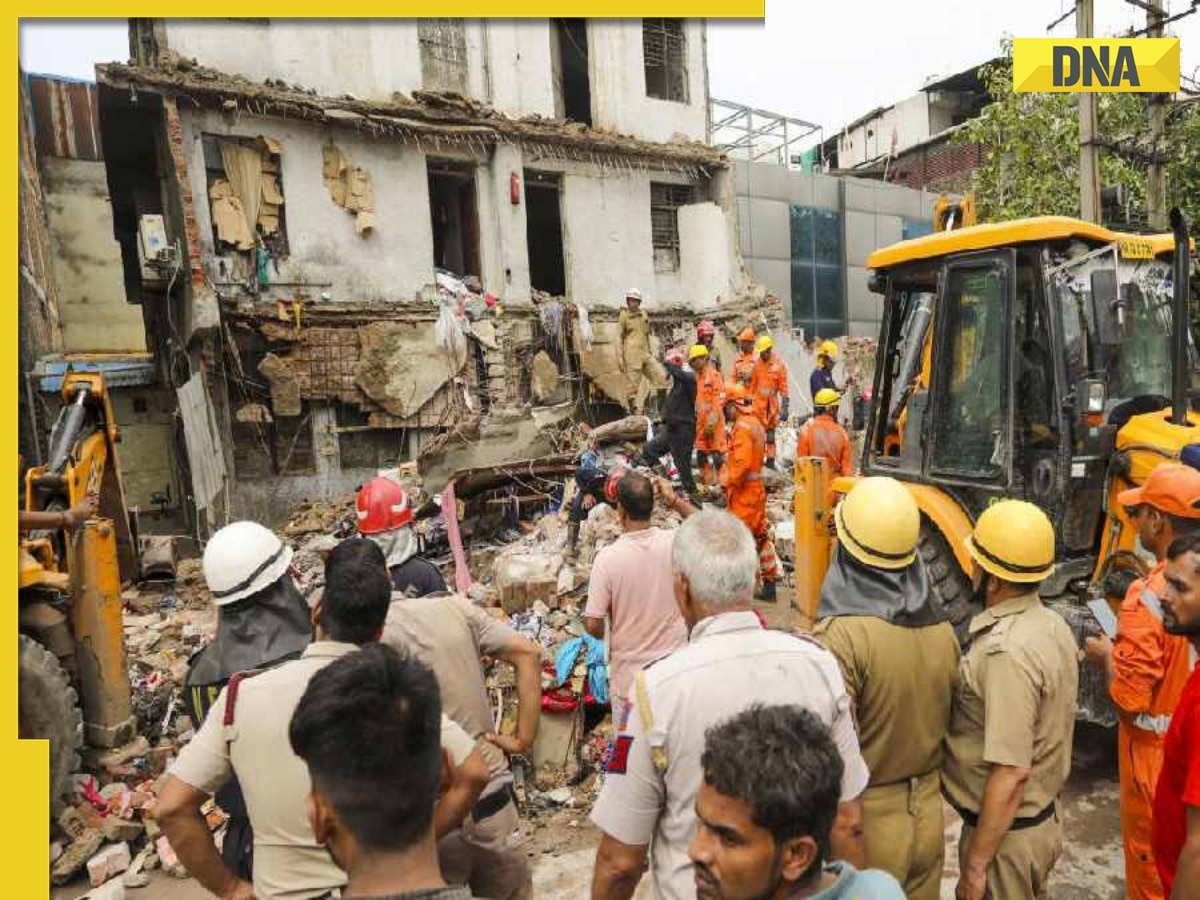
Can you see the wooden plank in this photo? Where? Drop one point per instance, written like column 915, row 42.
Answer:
column 205, row 458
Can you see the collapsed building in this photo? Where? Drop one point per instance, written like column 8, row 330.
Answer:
column 367, row 242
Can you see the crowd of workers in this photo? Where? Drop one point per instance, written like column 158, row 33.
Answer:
column 351, row 738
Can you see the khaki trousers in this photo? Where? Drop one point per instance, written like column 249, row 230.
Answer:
column 1022, row 866
column 905, row 833
column 479, row 855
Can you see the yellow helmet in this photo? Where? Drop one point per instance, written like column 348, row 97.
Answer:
column 828, row 348
column 696, row 351
column 826, row 397
column 878, row 523
column 1013, row 540
column 763, row 343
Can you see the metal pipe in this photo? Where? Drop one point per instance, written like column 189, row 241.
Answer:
column 72, row 425
column 1180, row 374
column 30, row 399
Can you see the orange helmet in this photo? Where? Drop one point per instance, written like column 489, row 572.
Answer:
column 746, row 335
column 706, row 329
column 738, row 394
column 382, row 506
column 1172, row 488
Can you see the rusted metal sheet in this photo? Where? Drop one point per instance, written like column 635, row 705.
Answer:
column 65, row 118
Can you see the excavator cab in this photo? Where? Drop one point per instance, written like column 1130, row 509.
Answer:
column 1040, row 360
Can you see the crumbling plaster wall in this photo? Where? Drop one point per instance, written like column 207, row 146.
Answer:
column 394, row 261
column 618, row 82
column 87, row 260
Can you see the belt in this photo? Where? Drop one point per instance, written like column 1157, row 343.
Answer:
column 493, row 803
column 1153, row 724
column 972, row 819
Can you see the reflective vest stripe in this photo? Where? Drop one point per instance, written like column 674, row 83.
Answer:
column 1153, row 724
column 1150, row 601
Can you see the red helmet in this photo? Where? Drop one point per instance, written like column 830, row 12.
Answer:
column 610, row 483
column 382, row 506
column 706, row 329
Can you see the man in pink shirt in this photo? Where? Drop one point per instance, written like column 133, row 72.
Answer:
column 632, row 584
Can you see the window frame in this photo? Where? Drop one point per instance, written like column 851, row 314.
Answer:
column 670, row 212
column 659, row 30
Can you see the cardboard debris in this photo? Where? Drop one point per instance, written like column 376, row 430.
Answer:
column 229, row 216
column 401, row 367
column 350, row 187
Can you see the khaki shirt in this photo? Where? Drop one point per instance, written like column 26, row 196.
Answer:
column 288, row 862
column 635, row 333
column 730, row 662
column 449, row 633
column 901, row 681
column 1014, row 705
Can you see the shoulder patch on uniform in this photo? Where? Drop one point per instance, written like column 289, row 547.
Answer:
column 618, row 761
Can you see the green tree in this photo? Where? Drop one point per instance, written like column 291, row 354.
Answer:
column 1030, row 144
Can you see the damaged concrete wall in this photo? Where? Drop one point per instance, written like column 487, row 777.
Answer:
column 519, row 64
column 618, row 79
column 395, row 260
column 709, row 265
column 87, row 260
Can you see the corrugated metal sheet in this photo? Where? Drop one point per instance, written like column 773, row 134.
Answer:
column 66, row 118
column 205, row 458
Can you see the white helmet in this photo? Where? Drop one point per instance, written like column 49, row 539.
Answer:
column 633, row 294
column 242, row 559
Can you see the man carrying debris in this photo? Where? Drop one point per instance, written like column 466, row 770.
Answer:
column 730, row 663
column 634, row 357
column 1147, row 667
column 1008, row 750
column 631, row 584
column 747, row 361
column 385, row 517
column 823, row 435
column 367, row 730
column 706, row 334
column 449, row 634
column 246, row 735
column 262, row 620
column 678, row 433
column 746, row 496
column 765, row 810
column 711, row 442
column 900, row 661
column 769, row 388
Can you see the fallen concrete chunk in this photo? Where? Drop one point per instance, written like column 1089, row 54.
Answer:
column 543, row 377
column 135, row 879
column 112, row 890
column 285, row 386
column 525, row 579
column 76, row 856
column 112, row 860
column 118, row 829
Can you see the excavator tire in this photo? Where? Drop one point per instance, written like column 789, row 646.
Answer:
column 950, row 585
column 48, row 709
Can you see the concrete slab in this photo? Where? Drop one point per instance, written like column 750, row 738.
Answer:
column 860, row 195
column 861, row 304
column 898, row 201
column 888, row 230
column 800, row 189
column 744, row 232
column 860, row 236
column 776, row 274
column 826, row 192
column 770, row 228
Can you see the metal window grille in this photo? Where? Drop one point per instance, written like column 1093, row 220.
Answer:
column 665, row 200
column 664, row 48
column 443, row 44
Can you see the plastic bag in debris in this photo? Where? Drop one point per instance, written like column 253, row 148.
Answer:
column 585, row 327
column 597, row 671
column 449, row 285
column 449, row 332
column 785, row 447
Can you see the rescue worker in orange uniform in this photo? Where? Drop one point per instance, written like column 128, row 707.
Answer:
column 745, row 494
column 710, row 423
column 1147, row 667
column 706, row 334
column 769, row 388
column 743, row 366
column 823, row 435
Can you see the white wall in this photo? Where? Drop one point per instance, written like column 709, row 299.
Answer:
column 394, row 261
column 522, row 81
column 618, row 81
column 872, row 139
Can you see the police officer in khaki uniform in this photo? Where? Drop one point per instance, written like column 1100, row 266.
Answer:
column 900, row 661
column 730, row 663
column 634, row 357
column 1008, row 751
column 246, row 734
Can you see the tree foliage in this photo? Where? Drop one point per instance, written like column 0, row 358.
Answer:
column 1030, row 144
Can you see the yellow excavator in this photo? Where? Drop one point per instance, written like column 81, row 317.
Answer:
column 1047, row 359
column 73, row 686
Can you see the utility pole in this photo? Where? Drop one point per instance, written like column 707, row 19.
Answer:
column 1089, row 153
column 1156, row 176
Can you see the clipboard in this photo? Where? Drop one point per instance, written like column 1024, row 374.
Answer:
column 1104, row 617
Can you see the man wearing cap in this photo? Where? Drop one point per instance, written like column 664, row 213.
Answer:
column 678, row 433
column 769, row 388
column 634, row 356
column 385, row 517
column 710, row 420
column 743, row 366
column 1147, row 667
column 1008, row 749
column 823, row 435
column 899, row 658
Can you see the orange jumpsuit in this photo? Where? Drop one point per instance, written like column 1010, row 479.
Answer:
column 823, row 435
column 710, row 423
column 767, row 385
column 746, row 496
column 743, row 367
column 1149, row 671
